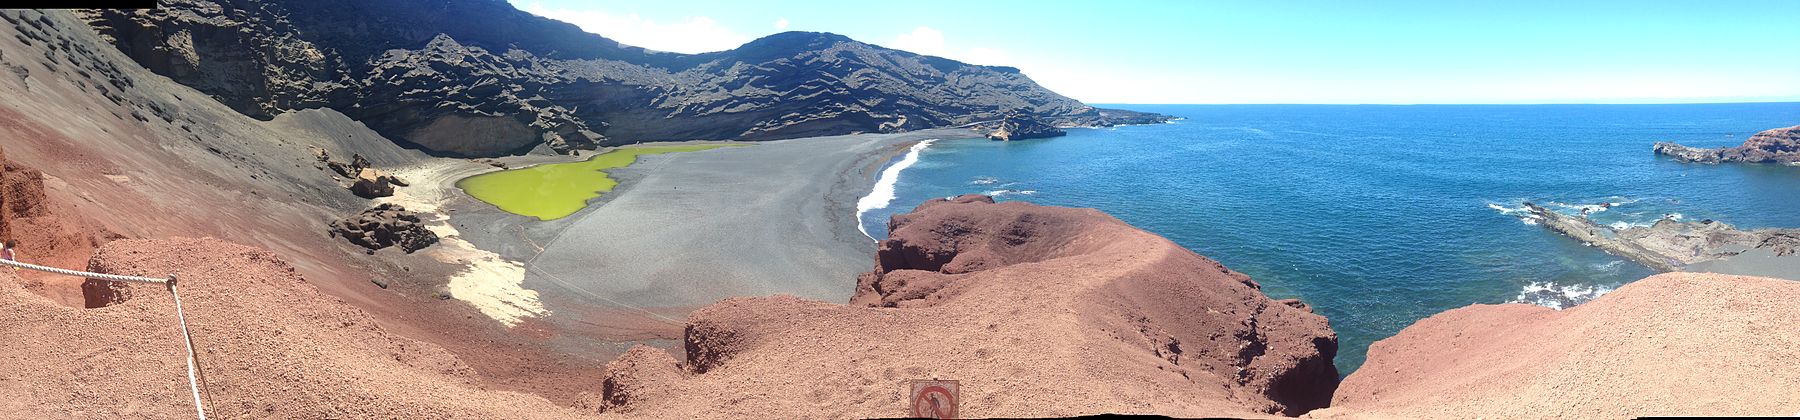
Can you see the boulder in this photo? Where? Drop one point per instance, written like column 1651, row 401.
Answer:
column 370, row 183
column 383, row 226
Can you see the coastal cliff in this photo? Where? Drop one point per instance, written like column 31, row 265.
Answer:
column 1781, row 145
column 480, row 78
column 1038, row 311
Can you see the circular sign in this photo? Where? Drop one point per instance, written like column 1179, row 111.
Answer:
column 934, row 402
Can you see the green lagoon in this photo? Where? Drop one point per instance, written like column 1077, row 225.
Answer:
column 557, row 190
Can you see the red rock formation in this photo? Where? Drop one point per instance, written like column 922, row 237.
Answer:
column 21, row 195
column 1668, row 345
column 1036, row 310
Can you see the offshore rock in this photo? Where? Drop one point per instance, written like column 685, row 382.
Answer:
column 1781, row 145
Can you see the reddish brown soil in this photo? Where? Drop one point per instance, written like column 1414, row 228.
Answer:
column 1669, row 345
column 1038, row 311
column 270, row 345
column 47, row 232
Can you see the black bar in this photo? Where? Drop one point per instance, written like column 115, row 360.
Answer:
column 80, row 4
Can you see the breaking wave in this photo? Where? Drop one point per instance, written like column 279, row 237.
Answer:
column 1009, row 191
column 883, row 193
column 1551, row 295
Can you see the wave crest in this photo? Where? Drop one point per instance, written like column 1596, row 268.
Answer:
column 883, row 193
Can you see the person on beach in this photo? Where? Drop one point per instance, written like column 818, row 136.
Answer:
column 7, row 253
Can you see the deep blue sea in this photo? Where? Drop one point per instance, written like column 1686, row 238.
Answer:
column 1379, row 216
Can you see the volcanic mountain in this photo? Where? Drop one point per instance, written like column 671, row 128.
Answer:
column 480, row 78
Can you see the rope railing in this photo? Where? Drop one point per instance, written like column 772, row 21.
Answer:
column 180, row 316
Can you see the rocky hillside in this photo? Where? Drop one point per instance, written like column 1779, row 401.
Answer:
column 1781, row 145
column 478, row 77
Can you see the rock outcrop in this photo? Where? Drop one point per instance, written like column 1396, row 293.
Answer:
column 1677, row 344
column 1781, row 145
column 1038, row 311
column 21, row 195
column 383, row 226
column 1019, row 127
column 269, row 342
column 1670, row 245
column 480, row 78
column 365, row 180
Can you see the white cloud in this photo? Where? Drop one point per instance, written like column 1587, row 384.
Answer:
column 922, row 40
column 929, row 41
column 781, row 24
column 694, row 34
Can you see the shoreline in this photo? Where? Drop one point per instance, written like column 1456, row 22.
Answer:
column 883, row 190
column 684, row 230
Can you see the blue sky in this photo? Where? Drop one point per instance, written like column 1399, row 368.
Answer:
column 1389, row 52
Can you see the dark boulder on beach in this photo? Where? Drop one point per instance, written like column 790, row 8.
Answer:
column 1781, row 145
column 383, row 226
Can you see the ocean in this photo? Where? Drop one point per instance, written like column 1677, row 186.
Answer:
column 1376, row 215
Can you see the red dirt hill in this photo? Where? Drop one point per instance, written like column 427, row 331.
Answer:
column 1668, row 345
column 1038, row 311
column 270, row 345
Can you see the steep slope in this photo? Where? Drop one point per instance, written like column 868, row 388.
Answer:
column 142, row 156
column 1669, row 345
column 270, row 345
column 478, row 77
column 1038, row 311
column 1780, row 145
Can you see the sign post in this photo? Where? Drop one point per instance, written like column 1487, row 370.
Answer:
column 933, row 399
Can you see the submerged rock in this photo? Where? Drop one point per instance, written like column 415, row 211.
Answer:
column 1781, row 145
column 383, row 226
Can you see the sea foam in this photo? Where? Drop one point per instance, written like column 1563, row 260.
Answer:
column 883, row 193
column 1557, row 296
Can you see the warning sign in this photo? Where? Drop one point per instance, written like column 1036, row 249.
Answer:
column 933, row 399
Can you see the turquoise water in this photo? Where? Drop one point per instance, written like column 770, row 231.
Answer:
column 1379, row 216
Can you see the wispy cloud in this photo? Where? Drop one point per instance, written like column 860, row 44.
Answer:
column 781, row 24
column 694, row 34
column 930, row 41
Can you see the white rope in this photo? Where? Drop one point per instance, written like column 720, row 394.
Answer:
column 193, row 386
column 111, row 277
column 180, row 316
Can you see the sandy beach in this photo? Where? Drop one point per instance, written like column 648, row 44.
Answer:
column 684, row 230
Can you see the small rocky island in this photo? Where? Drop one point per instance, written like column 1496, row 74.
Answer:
column 1781, row 145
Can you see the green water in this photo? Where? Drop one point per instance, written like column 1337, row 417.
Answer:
column 553, row 191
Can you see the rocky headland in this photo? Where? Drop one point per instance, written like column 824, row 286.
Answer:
column 480, row 78
column 1019, row 127
column 1668, row 244
column 1780, row 145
